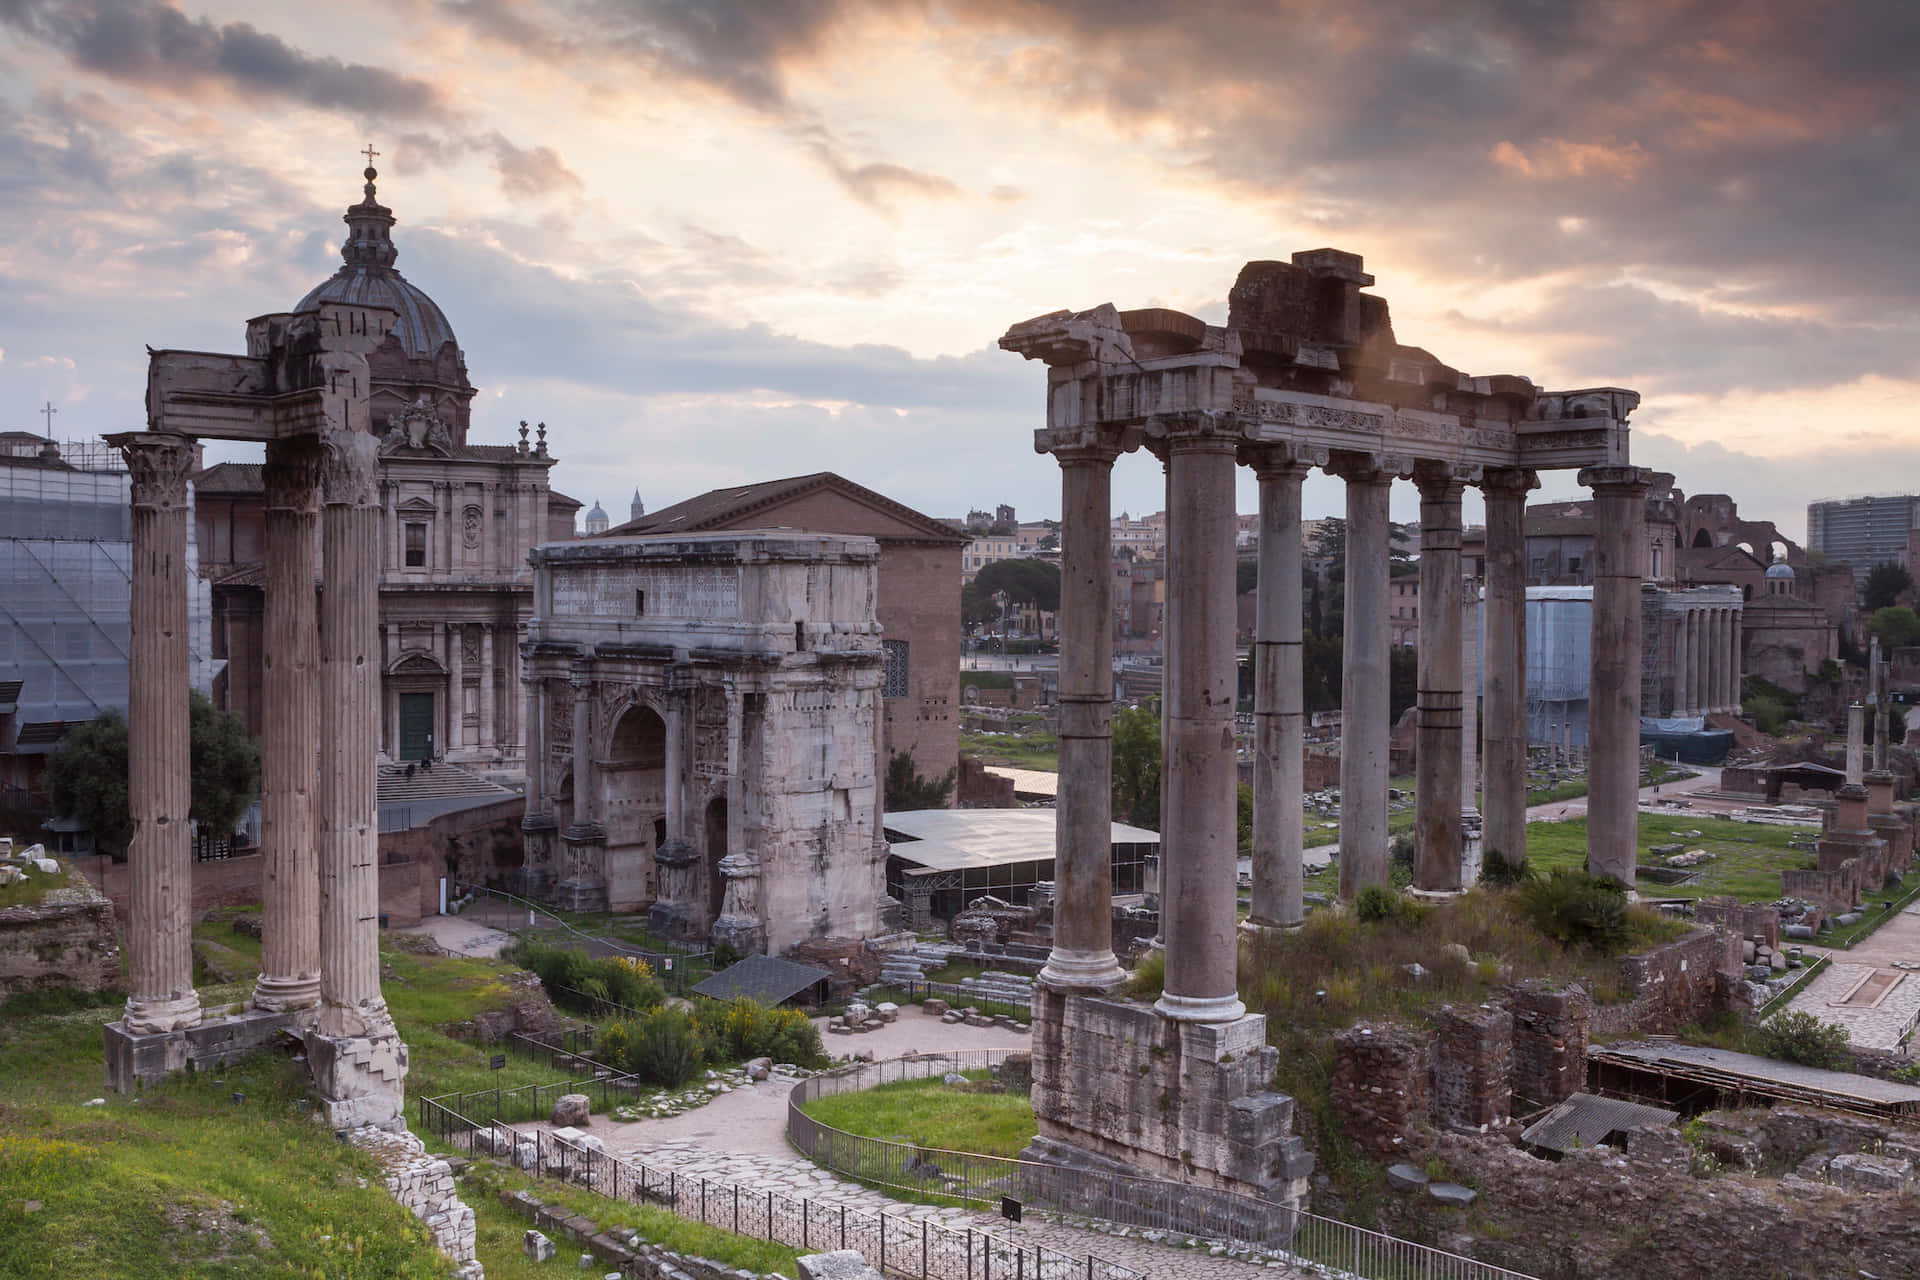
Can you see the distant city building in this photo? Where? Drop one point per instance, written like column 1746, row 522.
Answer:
column 66, row 548
column 597, row 521
column 636, row 508
column 1863, row 532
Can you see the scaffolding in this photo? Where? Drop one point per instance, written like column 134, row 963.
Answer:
column 1559, row 664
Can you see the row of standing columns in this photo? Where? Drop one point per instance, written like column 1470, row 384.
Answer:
column 1198, row 884
column 320, row 858
column 1706, row 666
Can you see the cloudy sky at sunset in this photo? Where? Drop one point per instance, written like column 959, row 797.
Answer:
column 718, row 242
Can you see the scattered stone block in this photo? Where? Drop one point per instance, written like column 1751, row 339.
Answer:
column 1858, row 1171
column 572, row 1109
column 953, row 1077
column 841, row 1264
column 1777, row 961
column 887, row 1010
column 1406, row 1177
column 1453, row 1194
column 759, row 1068
column 1415, row 972
column 537, row 1246
column 934, row 1008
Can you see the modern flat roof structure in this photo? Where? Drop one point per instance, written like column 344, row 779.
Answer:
column 1688, row 1075
column 939, row 859
column 1039, row 784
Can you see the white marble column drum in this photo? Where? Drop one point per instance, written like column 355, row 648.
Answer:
column 159, row 858
column 1279, row 700
column 1503, row 790
column 1199, row 837
column 1436, row 857
column 290, row 774
column 1613, row 714
column 1082, row 956
column 351, row 1003
column 1364, row 674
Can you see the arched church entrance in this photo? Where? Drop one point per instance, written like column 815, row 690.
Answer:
column 635, row 780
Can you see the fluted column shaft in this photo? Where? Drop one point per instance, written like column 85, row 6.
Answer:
column 1436, row 859
column 1613, row 715
column 1682, row 665
column 160, row 863
column 585, row 809
column 350, row 740
column 1503, row 790
column 1082, row 956
column 1279, row 701
column 290, row 767
column 538, row 748
column 1702, row 651
column 1199, row 898
column 1364, row 675
column 488, row 739
column 456, row 686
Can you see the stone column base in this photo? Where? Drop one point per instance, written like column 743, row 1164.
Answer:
column 1165, row 1098
column 136, row 1059
column 1254, row 928
column 1434, row 895
column 581, row 893
column 359, row 1079
column 746, row 936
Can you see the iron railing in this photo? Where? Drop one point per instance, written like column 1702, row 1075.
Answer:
column 898, row 1244
column 1178, row 1209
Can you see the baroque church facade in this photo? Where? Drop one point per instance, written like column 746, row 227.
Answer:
column 458, row 520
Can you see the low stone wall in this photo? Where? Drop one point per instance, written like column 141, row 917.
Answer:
column 406, row 892
column 634, row 1257
column 1472, row 1076
column 1550, row 1029
column 1379, row 1086
column 1674, row 984
column 66, row 941
column 1758, row 921
column 423, row 1184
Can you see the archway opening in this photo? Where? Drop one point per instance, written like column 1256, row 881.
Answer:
column 1702, row 538
column 716, row 850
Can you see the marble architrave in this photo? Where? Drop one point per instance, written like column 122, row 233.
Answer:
column 703, row 719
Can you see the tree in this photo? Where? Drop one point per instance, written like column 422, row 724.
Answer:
column 1051, row 542
column 977, row 609
column 1886, row 583
column 1246, row 577
column 1033, row 582
column 1136, row 765
column 907, row 789
column 87, row 777
column 1897, row 626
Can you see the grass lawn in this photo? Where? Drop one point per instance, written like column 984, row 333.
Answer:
column 32, row 891
column 1029, row 747
column 1748, row 856
column 928, row 1113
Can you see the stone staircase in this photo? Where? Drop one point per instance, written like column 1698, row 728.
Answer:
column 911, row 964
column 997, row 984
column 446, row 782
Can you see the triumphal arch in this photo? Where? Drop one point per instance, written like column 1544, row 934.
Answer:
column 1306, row 373
column 704, row 709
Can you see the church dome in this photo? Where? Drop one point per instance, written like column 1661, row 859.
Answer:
column 1780, row 569
column 367, row 279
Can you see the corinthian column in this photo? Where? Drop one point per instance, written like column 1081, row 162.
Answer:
column 1436, row 866
column 289, row 875
column 1364, row 673
column 1613, row 714
column 349, row 741
column 1082, row 955
column 1279, row 702
column 160, row 866
column 1199, row 842
column 1503, row 788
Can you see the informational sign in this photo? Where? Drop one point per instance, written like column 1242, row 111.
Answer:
column 498, row 1063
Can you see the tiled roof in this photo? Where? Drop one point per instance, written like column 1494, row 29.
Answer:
column 735, row 507
column 231, row 477
column 1585, row 1120
column 41, row 732
column 767, row 979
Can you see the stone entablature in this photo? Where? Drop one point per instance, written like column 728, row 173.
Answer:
column 723, row 690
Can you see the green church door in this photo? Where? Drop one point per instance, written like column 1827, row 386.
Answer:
column 416, row 725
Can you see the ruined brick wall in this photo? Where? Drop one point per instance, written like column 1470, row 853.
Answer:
column 975, row 788
column 1379, row 1086
column 1550, row 1027
column 1471, row 1081
column 68, row 944
column 1759, row 921
column 1602, row 1214
column 1674, row 984
column 1836, row 890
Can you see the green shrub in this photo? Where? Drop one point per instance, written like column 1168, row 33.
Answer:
column 1793, row 1035
column 1400, row 851
column 615, row 1045
column 668, row 1049
column 1375, row 904
column 1577, row 909
column 741, row 1028
column 1498, row 869
column 1149, row 976
column 613, row 979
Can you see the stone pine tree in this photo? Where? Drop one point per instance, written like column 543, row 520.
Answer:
column 87, row 777
column 908, row 789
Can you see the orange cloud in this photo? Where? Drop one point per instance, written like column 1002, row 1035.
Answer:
column 1556, row 158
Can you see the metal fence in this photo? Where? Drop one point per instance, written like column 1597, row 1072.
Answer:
column 525, row 1103
column 966, row 1178
column 898, row 1244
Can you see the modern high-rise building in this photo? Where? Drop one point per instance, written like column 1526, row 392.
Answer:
column 1862, row 531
